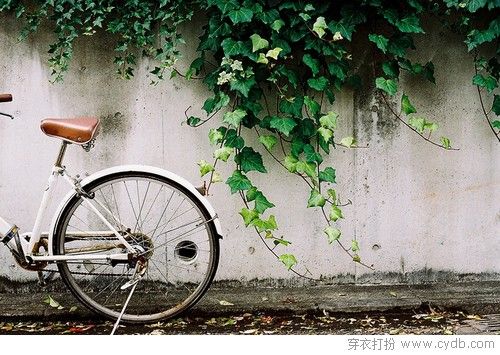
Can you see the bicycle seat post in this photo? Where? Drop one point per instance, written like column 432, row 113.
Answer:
column 60, row 157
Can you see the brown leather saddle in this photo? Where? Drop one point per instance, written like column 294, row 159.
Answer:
column 73, row 130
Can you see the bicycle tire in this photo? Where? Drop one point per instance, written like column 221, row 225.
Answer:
column 159, row 294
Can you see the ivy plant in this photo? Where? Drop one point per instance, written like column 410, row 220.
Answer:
column 274, row 68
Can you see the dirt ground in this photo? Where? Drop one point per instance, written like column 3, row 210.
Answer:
column 421, row 321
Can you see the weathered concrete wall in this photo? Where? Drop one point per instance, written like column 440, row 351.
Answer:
column 415, row 209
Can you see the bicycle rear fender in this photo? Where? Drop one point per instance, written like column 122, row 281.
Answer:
column 135, row 168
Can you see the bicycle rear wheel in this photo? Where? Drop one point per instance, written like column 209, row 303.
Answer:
column 160, row 218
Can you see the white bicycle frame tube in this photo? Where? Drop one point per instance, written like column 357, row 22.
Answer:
column 36, row 233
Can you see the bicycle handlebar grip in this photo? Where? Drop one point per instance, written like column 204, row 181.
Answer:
column 5, row 97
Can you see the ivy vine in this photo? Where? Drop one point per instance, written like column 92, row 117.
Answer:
column 275, row 68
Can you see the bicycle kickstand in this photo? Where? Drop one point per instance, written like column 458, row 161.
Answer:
column 140, row 269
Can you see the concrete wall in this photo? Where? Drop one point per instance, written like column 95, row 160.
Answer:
column 419, row 213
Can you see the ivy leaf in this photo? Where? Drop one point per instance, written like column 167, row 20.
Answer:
column 292, row 106
column 234, row 118
column 327, row 175
column 475, row 5
column 391, row 69
column 273, row 53
column 262, row 59
column 410, row 24
column 335, row 213
column 233, row 140
column 307, row 168
column 223, row 153
column 489, row 82
column 261, row 202
column 354, row 246
column 277, row 25
column 215, row 136
column 496, row 105
column 232, row 47
column 243, row 85
column 283, row 125
column 205, row 167
column 241, row 15
column 193, row 121
column 269, row 141
column 325, row 133
column 312, row 155
column 250, row 160
column 329, row 120
column 312, row 105
column 390, row 86
column 332, row 233
column 445, row 142
column 320, row 26
column 216, row 177
column 289, row 260
column 406, row 106
column 332, row 194
column 258, row 42
column 312, row 63
column 290, row 163
column 263, row 225
column 248, row 216
column 318, row 84
column 316, row 199
column 380, row 40
column 348, row 142
column 238, row 182
column 418, row 123
column 496, row 124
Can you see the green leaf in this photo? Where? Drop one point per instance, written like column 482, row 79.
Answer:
column 234, row 117
column 243, row 85
column 489, row 82
column 496, row 124
column 292, row 106
column 248, row 216
column 475, row 5
column 52, row 302
column 335, row 213
column 431, row 126
column 262, row 59
column 312, row 105
column 268, row 141
column 250, row 160
column 325, row 133
column 356, row 258
column 312, row 63
column 327, row 175
column 348, row 142
column 215, row 136
column 289, row 260
column 418, row 123
column 233, row 140
column 307, row 168
column 241, row 15
column 311, row 155
column 410, row 24
column 354, row 246
column 273, row 53
column 290, row 163
column 332, row 233
column 205, row 167
column 233, row 48
column 332, row 194
column 391, row 69
column 390, row 86
column 277, row 25
column 238, row 182
column 320, row 26
column 316, row 199
column 318, row 84
column 258, row 42
column 496, row 105
column 223, row 153
column 261, row 202
column 329, row 120
column 283, row 125
column 406, row 106
column 263, row 225
column 380, row 40
column 193, row 121
column 445, row 142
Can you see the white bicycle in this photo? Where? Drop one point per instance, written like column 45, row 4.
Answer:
column 124, row 229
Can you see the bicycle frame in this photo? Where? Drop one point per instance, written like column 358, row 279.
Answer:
column 29, row 247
